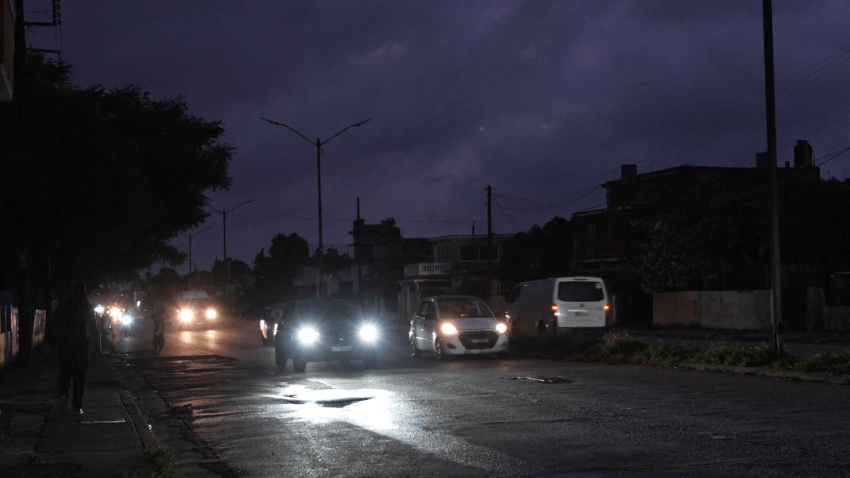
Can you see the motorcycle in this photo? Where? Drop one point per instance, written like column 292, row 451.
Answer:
column 126, row 323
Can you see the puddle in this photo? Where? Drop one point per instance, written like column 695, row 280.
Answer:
column 540, row 379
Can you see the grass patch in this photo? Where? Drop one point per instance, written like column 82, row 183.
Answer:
column 163, row 462
column 616, row 348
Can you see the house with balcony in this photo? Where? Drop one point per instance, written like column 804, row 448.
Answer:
column 458, row 265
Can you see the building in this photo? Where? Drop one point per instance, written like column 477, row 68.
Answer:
column 7, row 49
column 458, row 265
column 608, row 240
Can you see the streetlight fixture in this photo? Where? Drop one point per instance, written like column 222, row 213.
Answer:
column 190, row 236
column 319, row 143
column 224, row 213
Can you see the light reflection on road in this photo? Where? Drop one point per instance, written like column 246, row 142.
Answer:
column 395, row 417
column 187, row 337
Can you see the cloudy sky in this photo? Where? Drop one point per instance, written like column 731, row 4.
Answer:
column 542, row 100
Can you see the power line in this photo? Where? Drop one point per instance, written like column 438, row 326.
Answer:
column 831, row 156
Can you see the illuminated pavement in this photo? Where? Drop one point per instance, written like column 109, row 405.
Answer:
column 219, row 403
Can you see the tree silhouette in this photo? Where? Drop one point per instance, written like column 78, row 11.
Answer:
column 103, row 178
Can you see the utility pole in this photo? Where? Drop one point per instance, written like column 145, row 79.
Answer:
column 489, row 242
column 190, row 236
column 770, row 102
column 224, row 213
column 320, row 292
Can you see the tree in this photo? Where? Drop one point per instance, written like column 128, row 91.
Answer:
column 103, row 178
column 276, row 271
column 714, row 228
column 539, row 253
column 725, row 229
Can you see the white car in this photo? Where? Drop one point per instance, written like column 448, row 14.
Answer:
column 456, row 325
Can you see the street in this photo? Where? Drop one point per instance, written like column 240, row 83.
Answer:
column 212, row 398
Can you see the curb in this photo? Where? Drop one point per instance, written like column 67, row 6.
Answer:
column 766, row 372
column 139, row 423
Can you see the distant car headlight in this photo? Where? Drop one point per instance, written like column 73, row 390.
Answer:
column 115, row 312
column 448, row 329
column 186, row 315
column 308, row 335
column 211, row 313
column 501, row 328
column 369, row 333
column 99, row 309
column 126, row 319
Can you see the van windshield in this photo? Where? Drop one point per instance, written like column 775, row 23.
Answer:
column 573, row 291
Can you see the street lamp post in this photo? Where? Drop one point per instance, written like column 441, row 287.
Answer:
column 321, row 290
column 224, row 213
column 190, row 236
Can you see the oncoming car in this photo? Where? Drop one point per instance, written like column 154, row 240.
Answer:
column 195, row 309
column 456, row 325
column 323, row 330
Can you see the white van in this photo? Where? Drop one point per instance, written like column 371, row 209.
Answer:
column 549, row 306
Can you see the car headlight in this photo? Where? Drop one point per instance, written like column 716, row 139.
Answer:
column 308, row 335
column 186, row 315
column 99, row 309
column 211, row 313
column 126, row 319
column 115, row 312
column 501, row 328
column 448, row 329
column 369, row 333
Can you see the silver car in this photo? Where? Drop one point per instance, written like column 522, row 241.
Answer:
column 456, row 325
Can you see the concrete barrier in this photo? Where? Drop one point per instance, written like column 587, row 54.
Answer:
column 735, row 310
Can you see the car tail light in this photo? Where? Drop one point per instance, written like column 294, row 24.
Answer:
column 606, row 307
column 555, row 307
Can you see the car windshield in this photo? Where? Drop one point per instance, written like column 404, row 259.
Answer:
column 334, row 311
column 199, row 303
column 459, row 308
column 573, row 291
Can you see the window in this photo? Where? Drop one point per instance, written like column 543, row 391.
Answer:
column 441, row 254
column 580, row 291
column 478, row 253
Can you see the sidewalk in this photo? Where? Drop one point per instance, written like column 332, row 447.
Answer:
column 39, row 439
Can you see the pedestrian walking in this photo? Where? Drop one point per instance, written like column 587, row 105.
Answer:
column 158, row 318
column 77, row 319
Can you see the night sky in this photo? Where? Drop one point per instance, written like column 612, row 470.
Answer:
column 542, row 100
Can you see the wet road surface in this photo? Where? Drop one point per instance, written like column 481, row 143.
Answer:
column 218, row 402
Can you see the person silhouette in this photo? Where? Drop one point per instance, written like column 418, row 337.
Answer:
column 77, row 318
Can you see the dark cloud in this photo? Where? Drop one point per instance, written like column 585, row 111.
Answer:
column 543, row 100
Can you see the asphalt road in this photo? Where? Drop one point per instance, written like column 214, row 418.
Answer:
column 212, row 398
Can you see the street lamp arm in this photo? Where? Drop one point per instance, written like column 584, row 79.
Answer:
column 347, row 128
column 287, row 127
column 190, row 236
column 240, row 204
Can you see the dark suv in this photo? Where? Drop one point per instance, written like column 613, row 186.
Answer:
column 323, row 330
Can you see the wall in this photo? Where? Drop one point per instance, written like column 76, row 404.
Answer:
column 735, row 310
column 675, row 308
column 738, row 310
column 825, row 318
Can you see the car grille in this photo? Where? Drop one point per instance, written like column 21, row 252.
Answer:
column 478, row 340
column 340, row 337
